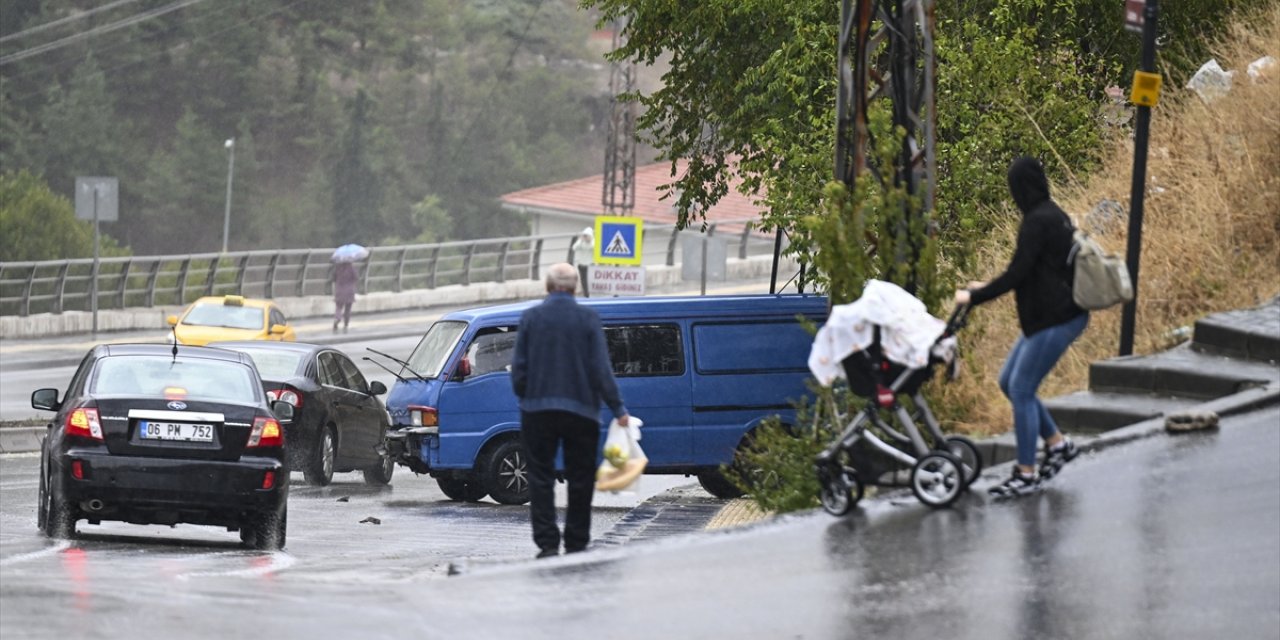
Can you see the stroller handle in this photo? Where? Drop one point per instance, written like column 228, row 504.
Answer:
column 959, row 318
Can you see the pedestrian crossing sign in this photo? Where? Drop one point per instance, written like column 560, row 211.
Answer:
column 618, row 239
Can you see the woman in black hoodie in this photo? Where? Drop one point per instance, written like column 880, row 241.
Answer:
column 1040, row 277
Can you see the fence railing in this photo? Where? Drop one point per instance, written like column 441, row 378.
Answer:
column 54, row 286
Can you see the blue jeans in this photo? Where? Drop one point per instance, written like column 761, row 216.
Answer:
column 1029, row 362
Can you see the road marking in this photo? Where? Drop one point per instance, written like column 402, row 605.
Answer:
column 277, row 561
column 62, row 545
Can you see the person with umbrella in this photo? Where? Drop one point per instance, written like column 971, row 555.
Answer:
column 345, row 278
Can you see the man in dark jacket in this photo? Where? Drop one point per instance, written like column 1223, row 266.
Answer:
column 1040, row 276
column 561, row 373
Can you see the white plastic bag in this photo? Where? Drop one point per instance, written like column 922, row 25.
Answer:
column 624, row 460
column 1211, row 81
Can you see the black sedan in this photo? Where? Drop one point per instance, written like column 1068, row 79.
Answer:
column 159, row 434
column 339, row 423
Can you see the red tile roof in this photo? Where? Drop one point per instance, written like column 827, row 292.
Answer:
column 583, row 197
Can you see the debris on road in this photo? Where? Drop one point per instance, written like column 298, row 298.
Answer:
column 1191, row 421
column 371, row 520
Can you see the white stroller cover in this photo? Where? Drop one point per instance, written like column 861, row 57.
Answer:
column 907, row 332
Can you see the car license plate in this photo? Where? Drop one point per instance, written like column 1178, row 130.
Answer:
column 150, row 430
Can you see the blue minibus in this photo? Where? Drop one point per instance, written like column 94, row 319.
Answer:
column 701, row 372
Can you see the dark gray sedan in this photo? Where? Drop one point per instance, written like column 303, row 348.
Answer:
column 339, row 424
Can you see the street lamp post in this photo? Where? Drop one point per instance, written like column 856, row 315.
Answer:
column 231, row 169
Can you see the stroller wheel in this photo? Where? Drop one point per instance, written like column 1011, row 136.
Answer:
column 964, row 449
column 938, row 479
column 841, row 489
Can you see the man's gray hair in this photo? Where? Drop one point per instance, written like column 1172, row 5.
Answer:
column 562, row 276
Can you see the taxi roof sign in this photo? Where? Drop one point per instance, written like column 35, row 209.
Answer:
column 618, row 240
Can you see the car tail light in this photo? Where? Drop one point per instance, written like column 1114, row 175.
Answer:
column 266, row 433
column 287, row 394
column 84, row 422
column 420, row 416
column 77, row 469
column 268, row 479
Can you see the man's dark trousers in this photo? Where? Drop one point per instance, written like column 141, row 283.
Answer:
column 543, row 432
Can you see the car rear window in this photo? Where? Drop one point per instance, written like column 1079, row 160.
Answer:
column 197, row 378
column 220, row 315
column 273, row 364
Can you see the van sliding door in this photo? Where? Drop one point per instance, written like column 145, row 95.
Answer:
column 649, row 364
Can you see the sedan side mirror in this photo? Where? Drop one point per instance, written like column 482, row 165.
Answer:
column 277, row 329
column 46, row 399
column 283, row 411
column 376, row 388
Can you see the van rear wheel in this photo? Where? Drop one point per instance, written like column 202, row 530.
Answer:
column 718, row 485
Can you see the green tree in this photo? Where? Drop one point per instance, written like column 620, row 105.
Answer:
column 357, row 191
column 184, row 193
column 82, row 135
column 38, row 224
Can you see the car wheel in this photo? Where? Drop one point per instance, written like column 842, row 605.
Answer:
column 42, row 507
column 59, row 517
column 506, row 473
column 718, row 485
column 265, row 531
column 462, row 490
column 380, row 474
column 319, row 469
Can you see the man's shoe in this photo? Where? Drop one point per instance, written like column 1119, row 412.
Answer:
column 1017, row 485
column 567, row 550
column 548, row 553
column 1057, row 457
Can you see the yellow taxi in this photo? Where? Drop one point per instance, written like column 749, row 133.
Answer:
column 218, row 318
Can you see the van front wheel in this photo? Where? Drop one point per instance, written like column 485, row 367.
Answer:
column 718, row 485
column 506, row 473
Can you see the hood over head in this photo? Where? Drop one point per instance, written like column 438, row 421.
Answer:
column 1027, row 183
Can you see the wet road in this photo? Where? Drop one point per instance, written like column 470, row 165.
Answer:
column 1167, row 537
column 116, row 580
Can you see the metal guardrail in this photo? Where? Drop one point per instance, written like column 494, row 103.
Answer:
column 55, row 286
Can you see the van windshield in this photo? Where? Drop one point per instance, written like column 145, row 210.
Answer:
column 431, row 353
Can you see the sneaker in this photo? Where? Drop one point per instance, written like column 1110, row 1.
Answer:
column 1018, row 484
column 1057, row 457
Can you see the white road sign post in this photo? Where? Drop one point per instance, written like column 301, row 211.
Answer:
column 97, row 199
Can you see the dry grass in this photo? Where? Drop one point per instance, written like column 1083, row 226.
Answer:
column 1211, row 232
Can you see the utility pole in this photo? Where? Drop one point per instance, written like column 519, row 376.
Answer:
column 619, row 196
column 903, row 43
column 1145, row 93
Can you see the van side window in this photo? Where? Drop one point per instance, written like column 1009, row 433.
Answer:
column 492, row 350
column 742, row 347
column 645, row 350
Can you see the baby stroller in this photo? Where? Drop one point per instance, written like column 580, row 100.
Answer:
column 940, row 468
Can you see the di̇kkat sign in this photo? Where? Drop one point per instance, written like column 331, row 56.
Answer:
column 617, row 270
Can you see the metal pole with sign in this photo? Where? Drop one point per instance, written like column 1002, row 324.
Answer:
column 97, row 199
column 1144, row 93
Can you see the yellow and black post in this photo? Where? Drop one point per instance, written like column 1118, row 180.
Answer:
column 1144, row 93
